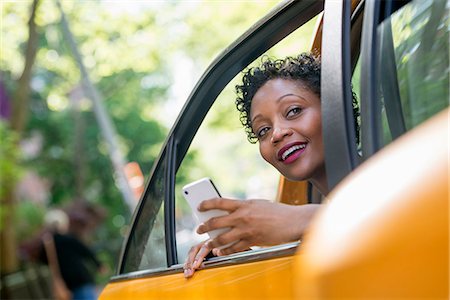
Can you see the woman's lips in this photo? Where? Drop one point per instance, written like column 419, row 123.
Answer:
column 291, row 152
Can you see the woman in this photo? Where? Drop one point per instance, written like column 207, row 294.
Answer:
column 279, row 105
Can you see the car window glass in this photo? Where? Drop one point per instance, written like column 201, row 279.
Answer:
column 220, row 150
column 146, row 245
column 155, row 249
column 419, row 36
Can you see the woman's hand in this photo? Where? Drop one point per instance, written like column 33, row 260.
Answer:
column 255, row 223
column 252, row 223
column 195, row 258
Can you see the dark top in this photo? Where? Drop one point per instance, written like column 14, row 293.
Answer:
column 73, row 257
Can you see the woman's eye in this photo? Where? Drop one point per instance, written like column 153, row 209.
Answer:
column 262, row 132
column 294, row 111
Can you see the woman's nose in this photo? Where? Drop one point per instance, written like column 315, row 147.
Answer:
column 279, row 133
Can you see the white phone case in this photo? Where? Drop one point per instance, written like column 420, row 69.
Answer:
column 201, row 190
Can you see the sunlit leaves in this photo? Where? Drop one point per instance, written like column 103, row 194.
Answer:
column 57, row 102
column 13, row 37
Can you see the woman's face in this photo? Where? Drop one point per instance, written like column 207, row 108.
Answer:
column 286, row 118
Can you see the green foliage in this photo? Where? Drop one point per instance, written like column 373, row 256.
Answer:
column 424, row 78
column 28, row 220
column 217, row 24
column 10, row 170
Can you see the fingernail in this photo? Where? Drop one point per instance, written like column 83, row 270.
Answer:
column 187, row 273
column 194, row 264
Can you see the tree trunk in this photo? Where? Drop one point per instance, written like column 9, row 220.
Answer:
column 9, row 261
column 79, row 154
column 105, row 123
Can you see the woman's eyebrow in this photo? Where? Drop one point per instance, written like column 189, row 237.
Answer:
column 258, row 116
column 277, row 100
column 287, row 95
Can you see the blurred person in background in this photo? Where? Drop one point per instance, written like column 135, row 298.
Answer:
column 77, row 262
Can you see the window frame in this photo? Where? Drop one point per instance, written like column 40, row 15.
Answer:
column 161, row 162
column 338, row 127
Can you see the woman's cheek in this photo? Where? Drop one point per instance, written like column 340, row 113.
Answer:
column 265, row 154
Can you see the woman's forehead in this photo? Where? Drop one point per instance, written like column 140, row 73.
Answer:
column 277, row 89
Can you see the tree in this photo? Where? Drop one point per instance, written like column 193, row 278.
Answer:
column 20, row 108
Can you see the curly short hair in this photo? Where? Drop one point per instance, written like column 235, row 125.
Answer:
column 305, row 68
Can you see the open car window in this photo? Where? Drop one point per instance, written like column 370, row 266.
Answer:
column 220, row 150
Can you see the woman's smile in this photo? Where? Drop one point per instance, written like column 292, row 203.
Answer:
column 289, row 153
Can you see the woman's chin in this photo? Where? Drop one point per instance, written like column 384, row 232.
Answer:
column 295, row 177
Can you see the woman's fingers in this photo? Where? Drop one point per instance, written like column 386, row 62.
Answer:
column 236, row 247
column 236, row 208
column 189, row 260
column 226, row 238
column 200, row 256
column 229, row 205
column 195, row 258
column 215, row 251
column 215, row 223
column 192, row 253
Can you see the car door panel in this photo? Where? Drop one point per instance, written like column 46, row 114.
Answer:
column 246, row 276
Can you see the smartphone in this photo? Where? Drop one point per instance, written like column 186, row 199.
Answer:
column 201, row 190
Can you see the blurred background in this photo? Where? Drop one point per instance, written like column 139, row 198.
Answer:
column 88, row 93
